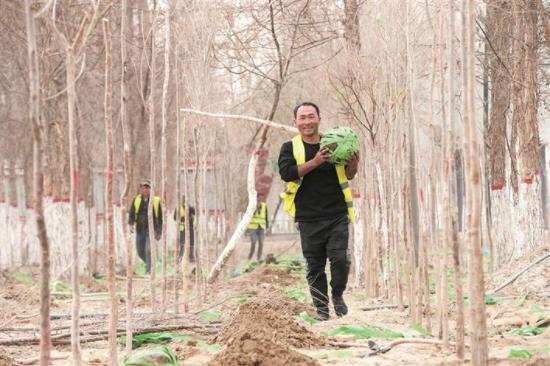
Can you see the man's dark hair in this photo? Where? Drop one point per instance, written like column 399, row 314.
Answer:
column 310, row 104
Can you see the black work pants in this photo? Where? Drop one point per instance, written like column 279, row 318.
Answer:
column 143, row 247
column 182, row 246
column 321, row 240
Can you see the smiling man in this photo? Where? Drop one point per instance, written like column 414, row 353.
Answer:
column 315, row 198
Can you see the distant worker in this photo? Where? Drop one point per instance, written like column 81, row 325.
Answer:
column 138, row 222
column 319, row 197
column 180, row 215
column 256, row 230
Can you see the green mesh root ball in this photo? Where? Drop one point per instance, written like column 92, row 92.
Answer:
column 342, row 142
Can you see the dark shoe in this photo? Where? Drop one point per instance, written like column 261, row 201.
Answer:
column 340, row 307
column 322, row 315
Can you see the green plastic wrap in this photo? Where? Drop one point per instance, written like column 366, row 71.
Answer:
column 157, row 356
column 342, row 142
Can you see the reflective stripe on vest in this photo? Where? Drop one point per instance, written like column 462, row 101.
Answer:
column 259, row 218
column 289, row 195
column 137, row 205
column 182, row 219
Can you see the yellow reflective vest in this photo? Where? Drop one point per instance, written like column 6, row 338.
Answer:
column 289, row 195
column 137, row 204
column 182, row 219
column 259, row 218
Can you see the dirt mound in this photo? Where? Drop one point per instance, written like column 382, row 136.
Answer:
column 268, row 274
column 280, row 302
column 5, row 360
column 535, row 281
column 270, row 320
column 93, row 285
column 249, row 350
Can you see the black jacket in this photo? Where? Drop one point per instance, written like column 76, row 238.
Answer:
column 142, row 225
column 319, row 196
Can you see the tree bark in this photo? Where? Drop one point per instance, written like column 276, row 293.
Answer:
column 163, row 177
column 499, row 31
column 38, row 184
column 73, row 163
column 111, row 254
column 178, row 181
column 475, row 273
column 126, row 137
column 152, row 159
column 241, row 227
column 412, row 179
column 457, row 270
column 529, row 131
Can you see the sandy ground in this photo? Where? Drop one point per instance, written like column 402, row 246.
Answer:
column 258, row 310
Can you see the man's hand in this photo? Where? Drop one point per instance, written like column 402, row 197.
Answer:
column 352, row 166
column 322, row 156
column 131, row 229
column 157, row 236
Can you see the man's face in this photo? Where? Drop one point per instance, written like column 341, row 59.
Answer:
column 307, row 121
column 145, row 191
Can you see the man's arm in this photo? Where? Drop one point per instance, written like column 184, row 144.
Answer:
column 320, row 158
column 290, row 171
column 352, row 166
column 287, row 164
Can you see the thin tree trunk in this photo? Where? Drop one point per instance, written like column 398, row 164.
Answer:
column 73, row 162
column 187, row 243
column 152, row 158
column 38, row 184
column 241, row 227
column 111, row 254
column 163, row 145
column 452, row 186
column 476, row 281
column 413, row 191
column 443, row 176
column 198, row 217
column 126, row 163
column 178, row 184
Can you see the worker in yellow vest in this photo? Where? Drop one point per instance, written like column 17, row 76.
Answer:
column 181, row 216
column 319, row 197
column 138, row 222
column 256, row 230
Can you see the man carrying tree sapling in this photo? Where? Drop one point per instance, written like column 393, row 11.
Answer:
column 138, row 222
column 319, row 197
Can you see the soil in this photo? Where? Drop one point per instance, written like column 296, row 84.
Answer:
column 269, row 274
column 268, row 319
column 5, row 360
column 250, row 349
column 265, row 331
column 534, row 282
